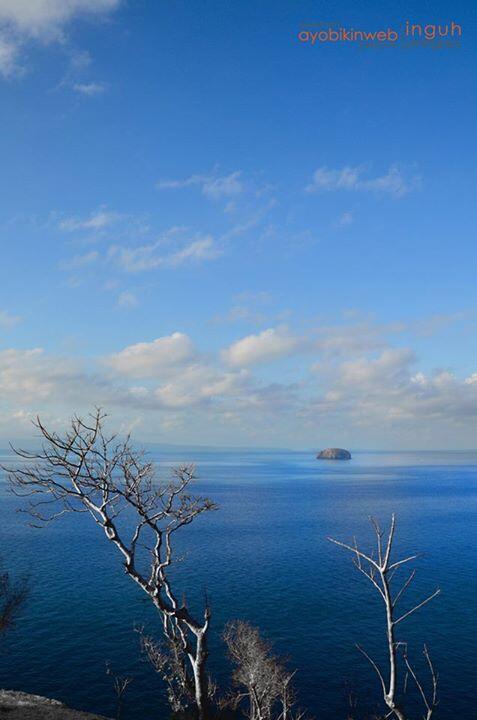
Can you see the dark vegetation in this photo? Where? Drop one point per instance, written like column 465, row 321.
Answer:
column 13, row 594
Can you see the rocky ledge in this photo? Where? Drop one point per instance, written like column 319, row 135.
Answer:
column 21, row 706
column 334, row 454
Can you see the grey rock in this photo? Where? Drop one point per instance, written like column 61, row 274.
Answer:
column 22, row 706
column 334, row 454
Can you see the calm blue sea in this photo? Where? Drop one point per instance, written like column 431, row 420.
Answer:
column 263, row 557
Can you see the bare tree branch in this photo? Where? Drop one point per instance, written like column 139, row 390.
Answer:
column 417, row 607
column 430, row 703
column 375, row 666
column 404, row 588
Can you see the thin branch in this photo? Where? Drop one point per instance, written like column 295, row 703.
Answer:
column 431, row 704
column 404, row 588
column 356, row 551
column 417, row 607
column 375, row 666
column 402, row 562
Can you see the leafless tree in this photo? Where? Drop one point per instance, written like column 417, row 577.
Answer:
column 120, row 685
column 12, row 598
column 169, row 661
column 87, row 471
column 380, row 568
column 264, row 686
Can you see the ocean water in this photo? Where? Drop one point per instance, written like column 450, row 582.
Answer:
column 263, row 556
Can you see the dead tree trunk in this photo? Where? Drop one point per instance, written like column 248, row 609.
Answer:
column 198, row 662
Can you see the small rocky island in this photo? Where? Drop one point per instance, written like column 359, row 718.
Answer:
column 334, row 454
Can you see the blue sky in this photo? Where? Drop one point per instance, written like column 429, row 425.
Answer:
column 228, row 236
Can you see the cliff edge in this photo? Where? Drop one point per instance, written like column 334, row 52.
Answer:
column 22, row 706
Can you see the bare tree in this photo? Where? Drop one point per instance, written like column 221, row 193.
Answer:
column 264, row 686
column 120, row 685
column 169, row 661
column 87, row 471
column 379, row 567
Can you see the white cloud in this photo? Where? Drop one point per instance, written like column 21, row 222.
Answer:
column 361, row 390
column 327, row 342
column 394, row 182
column 212, row 186
column 352, row 340
column 249, row 308
column 433, row 324
column 90, row 89
column 186, row 379
column 219, row 187
column 96, row 221
column 240, row 313
column 43, row 20
column 382, row 396
column 200, row 249
column 28, row 376
column 127, row 299
column 165, row 386
column 325, row 179
column 80, row 60
column 80, row 261
column 7, row 320
column 268, row 345
column 198, row 385
column 345, row 220
column 146, row 360
column 391, row 367
column 152, row 256
column 8, row 57
column 180, row 390
column 40, row 18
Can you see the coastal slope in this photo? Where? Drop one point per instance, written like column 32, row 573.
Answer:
column 22, row 706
